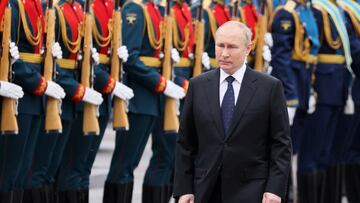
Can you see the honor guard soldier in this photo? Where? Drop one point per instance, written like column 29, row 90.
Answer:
column 12, row 92
column 67, row 26
column 143, row 35
column 332, row 78
column 296, row 44
column 345, row 149
column 72, row 146
column 103, row 12
column 157, row 186
column 27, row 25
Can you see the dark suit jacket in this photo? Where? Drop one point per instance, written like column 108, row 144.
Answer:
column 253, row 159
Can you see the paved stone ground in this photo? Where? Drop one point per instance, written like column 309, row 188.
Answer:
column 102, row 164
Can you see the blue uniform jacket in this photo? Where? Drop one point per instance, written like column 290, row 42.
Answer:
column 147, row 82
column 27, row 75
column 331, row 80
column 295, row 74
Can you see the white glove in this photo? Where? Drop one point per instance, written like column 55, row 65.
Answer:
column 122, row 91
column 177, row 107
column 95, row 56
column 291, row 113
column 205, row 60
column 175, row 55
column 266, row 53
column 268, row 39
column 54, row 90
column 349, row 108
column 93, row 97
column 312, row 102
column 10, row 90
column 123, row 53
column 14, row 52
column 173, row 90
column 56, row 51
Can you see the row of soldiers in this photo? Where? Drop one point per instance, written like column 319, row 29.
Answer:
column 309, row 49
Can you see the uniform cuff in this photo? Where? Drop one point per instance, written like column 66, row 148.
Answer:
column 79, row 94
column 161, row 85
column 185, row 85
column 109, row 86
column 41, row 88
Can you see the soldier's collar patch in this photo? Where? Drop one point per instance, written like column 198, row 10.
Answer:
column 131, row 18
column 285, row 24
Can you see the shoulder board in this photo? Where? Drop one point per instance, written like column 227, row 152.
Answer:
column 290, row 6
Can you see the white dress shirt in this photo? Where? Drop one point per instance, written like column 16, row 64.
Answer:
column 238, row 75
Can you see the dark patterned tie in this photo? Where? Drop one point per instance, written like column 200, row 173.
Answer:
column 228, row 105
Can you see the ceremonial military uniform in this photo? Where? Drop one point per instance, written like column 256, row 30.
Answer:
column 294, row 56
column 157, row 186
column 296, row 44
column 142, row 36
column 75, row 145
column 331, row 85
column 69, row 16
column 102, row 11
column 27, row 31
column 12, row 147
column 346, row 148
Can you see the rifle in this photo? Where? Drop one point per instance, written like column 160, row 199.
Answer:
column 90, row 121
column 235, row 12
column 262, row 27
column 9, row 123
column 52, row 115
column 120, row 118
column 199, row 40
column 171, row 121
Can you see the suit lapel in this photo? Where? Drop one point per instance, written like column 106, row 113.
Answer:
column 246, row 93
column 212, row 91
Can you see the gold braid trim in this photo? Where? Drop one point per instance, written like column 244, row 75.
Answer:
column 99, row 39
column 334, row 44
column 301, row 46
column 178, row 43
column 67, row 42
column 212, row 22
column 33, row 40
column 353, row 19
column 154, row 43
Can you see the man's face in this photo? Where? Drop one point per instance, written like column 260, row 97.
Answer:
column 230, row 49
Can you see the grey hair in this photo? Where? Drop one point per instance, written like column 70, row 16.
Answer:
column 247, row 34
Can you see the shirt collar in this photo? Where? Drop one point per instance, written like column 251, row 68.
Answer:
column 238, row 75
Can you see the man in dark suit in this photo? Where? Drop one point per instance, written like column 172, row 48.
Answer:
column 234, row 144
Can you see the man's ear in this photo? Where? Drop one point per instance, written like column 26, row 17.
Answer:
column 249, row 48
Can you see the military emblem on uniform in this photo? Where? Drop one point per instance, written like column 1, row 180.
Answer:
column 285, row 24
column 131, row 18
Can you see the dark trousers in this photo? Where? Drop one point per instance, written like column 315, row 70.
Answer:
column 42, row 157
column 73, row 160
column 161, row 168
column 94, row 148
column 129, row 148
column 29, row 128
column 58, row 151
column 12, row 148
column 317, row 139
